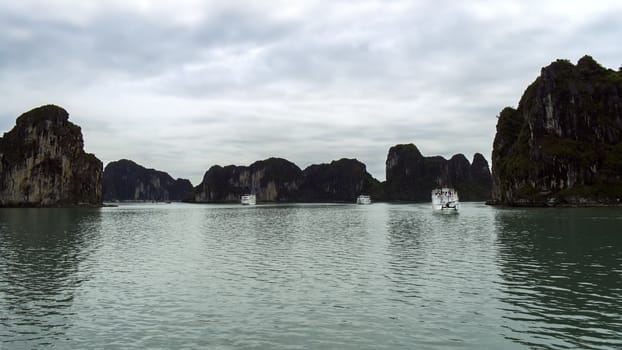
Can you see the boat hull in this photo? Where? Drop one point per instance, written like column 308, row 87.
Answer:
column 445, row 210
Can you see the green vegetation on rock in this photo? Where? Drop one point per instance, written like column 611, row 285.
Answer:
column 43, row 163
column 562, row 145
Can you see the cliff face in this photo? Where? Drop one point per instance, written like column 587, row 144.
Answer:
column 271, row 180
column 480, row 180
column 279, row 180
column 411, row 176
column 401, row 165
column 341, row 181
column 43, row 163
column 562, row 144
column 125, row 180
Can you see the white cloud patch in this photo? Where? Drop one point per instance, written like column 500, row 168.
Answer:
column 180, row 86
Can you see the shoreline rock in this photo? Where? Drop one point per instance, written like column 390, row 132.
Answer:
column 563, row 143
column 279, row 180
column 125, row 180
column 43, row 163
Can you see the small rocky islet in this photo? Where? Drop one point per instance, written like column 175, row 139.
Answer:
column 279, row 180
column 43, row 163
column 560, row 146
column 124, row 180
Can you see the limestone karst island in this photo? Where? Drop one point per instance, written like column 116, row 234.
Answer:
column 560, row 146
column 43, row 163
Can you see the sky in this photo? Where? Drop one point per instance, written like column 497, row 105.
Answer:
column 183, row 85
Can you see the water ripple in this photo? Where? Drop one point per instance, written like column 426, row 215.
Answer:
column 310, row 276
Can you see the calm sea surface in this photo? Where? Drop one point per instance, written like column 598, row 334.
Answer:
column 310, row 277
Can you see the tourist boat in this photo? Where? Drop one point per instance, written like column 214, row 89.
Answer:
column 445, row 199
column 363, row 199
column 248, row 199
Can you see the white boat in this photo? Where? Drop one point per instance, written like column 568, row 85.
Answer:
column 363, row 199
column 248, row 199
column 445, row 199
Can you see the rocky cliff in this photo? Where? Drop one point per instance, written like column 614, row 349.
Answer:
column 279, row 180
column 411, row 177
column 43, row 163
column 480, row 180
column 125, row 180
column 340, row 181
column 271, row 180
column 561, row 145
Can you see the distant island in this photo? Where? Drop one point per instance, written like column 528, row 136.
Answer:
column 561, row 146
column 124, row 180
column 411, row 176
column 279, row 180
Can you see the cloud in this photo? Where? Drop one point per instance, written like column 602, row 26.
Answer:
column 184, row 85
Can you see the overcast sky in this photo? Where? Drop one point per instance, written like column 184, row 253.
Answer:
column 183, row 85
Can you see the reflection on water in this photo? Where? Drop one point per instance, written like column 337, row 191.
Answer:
column 440, row 267
column 562, row 277
column 286, row 276
column 40, row 254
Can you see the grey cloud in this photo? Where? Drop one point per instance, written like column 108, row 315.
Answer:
column 123, row 43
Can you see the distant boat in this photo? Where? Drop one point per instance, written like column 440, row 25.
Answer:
column 445, row 199
column 248, row 199
column 363, row 199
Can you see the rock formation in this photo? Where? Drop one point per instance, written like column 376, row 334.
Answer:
column 279, row 180
column 562, row 144
column 480, row 181
column 125, row 180
column 43, row 163
column 411, row 177
column 271, row 180
column 340, row 181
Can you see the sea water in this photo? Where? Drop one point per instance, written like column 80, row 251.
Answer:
column 310, row 276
